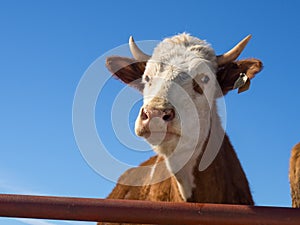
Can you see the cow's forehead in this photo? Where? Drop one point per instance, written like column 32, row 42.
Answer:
column 182, row 46
column 179, row 55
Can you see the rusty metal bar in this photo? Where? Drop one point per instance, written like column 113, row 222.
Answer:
column 131, row 211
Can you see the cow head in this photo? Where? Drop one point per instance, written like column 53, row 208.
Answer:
column 180, row 83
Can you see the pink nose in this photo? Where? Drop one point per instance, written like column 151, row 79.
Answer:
column 166, row 115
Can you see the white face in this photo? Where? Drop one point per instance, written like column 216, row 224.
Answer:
column 177, row 103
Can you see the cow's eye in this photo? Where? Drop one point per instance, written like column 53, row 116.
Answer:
column 204, row 79
column 147, row 78
column 197, row 88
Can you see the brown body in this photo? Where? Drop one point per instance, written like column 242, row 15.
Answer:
column 294, row 175
column 224, row 182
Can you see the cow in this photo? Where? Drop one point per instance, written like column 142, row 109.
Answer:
column 180, row 83
column 294, row 175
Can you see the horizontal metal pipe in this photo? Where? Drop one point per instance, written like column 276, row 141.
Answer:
column 133, row 211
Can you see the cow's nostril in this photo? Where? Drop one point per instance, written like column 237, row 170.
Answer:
column 144, row 115
column 168, row 115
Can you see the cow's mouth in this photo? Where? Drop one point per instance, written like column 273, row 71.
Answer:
column 157, row 137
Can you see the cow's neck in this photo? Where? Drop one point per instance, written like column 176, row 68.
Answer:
column 209, row 139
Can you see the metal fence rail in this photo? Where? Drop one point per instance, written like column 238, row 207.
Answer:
column 131, row 211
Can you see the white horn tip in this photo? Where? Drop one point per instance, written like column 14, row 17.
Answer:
column 131, row 40
column 136, row 52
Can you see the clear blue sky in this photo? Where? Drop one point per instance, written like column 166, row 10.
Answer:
column 46, row 47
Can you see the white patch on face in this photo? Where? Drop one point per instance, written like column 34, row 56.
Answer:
column 159, row 88
column 191, row 106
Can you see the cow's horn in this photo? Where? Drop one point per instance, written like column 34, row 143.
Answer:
column 232, row 54
column 136, row 52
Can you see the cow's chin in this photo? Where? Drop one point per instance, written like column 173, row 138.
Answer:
column 163, row 143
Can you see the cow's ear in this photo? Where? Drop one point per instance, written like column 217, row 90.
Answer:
column 127, row 70
column 238, row 74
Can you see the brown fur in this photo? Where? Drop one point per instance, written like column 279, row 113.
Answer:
column 166, row 190
column 127, row 70
column 294, row 175
column 224, row 182
column 215, row 184
column 229, row 73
